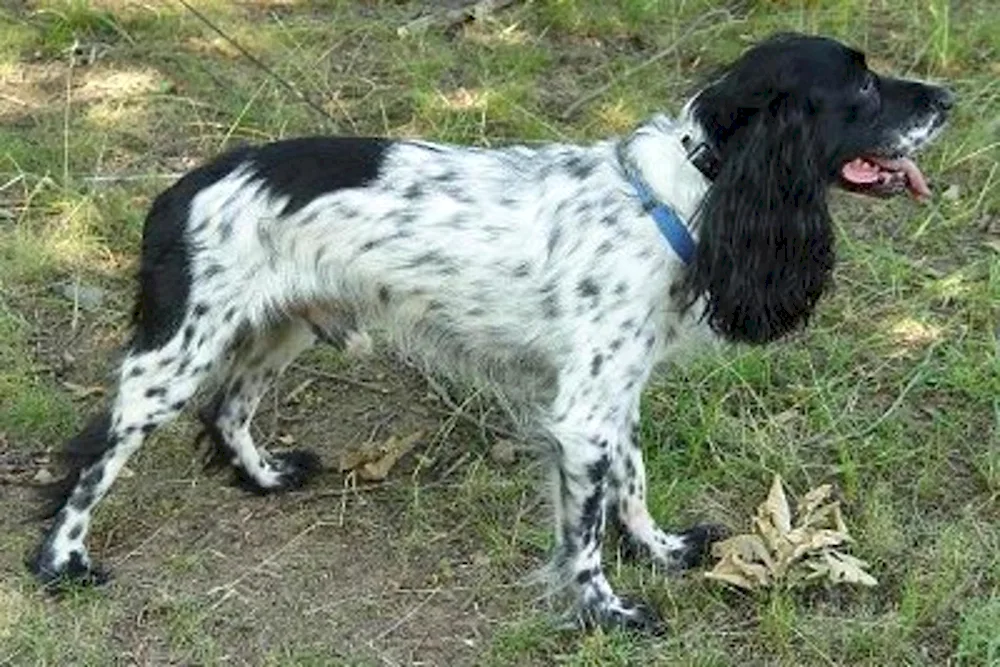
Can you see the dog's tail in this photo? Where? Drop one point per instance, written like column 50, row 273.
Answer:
column 82, row 451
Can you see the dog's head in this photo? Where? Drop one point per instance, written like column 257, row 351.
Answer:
column 791, row 117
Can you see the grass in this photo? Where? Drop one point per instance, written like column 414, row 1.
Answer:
column 892, row 394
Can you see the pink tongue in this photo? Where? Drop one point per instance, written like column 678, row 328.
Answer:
column 915, row 180
column 860, row 171
column 865, row 171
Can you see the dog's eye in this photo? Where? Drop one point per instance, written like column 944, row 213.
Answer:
column 868, row 87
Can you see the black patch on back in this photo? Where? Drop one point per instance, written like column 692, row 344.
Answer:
column 305, row 168
column 165, row 268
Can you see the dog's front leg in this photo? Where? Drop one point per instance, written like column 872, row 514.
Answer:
column 674, row 551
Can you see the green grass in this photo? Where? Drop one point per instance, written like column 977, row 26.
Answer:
column 893, row 394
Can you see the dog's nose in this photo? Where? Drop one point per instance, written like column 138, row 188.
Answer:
column 945, row 99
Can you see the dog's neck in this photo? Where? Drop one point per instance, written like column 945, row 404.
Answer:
column 667, row 155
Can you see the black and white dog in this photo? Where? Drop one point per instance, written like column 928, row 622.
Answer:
column 557, row 275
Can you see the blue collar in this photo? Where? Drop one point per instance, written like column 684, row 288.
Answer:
column 669, row 223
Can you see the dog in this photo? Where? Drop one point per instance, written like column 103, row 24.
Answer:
column 558, row 275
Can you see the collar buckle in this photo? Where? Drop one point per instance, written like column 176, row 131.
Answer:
column 702, row 156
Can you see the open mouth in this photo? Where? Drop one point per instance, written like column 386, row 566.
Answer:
column 884, row 177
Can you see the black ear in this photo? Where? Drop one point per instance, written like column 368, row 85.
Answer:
column 765, row 248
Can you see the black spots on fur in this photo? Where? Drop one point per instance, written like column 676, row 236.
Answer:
column 372, row 244
column 616, row 344
column 585, row 576
column 580, row 168
column 75, row 532
column 650, row 341
column 609, row 220
column 148, row 428
column 81, row 500
column 550, row 306
column 226, row 229
column 187, row 336
column 555, row 234
column 621, row 288
column 136, row 371
column 200, row 310
column 588, row 288
column 228, row 316
column 84, row 450
column 384, row 295
column 211, row 271
column 595, row 364
column 93, row 477
column 598, row 470
column 219, row 452
column 630, row 467
column 300, row 170
column 309, row 218
column 413, row 191
column 154, row 392
column 604, row 248
column 522, row 270
column 443, row 264
column 593, row 506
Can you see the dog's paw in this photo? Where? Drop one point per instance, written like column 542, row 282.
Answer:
column 285, row 471
column 75, row 571
column 295, row 467
column 698, row 541
column 620, row 615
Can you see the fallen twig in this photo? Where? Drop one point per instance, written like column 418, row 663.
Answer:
column 361, row 384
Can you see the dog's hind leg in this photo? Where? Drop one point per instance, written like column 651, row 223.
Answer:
column 256, row 364
column 154, row 385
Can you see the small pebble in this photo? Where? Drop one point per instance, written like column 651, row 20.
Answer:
column 504, row 452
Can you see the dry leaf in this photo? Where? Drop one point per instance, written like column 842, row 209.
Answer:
column 43, row 476
column 735, row 570
column 848, row 569
column 776, row 507
column 783, row 548
column 372, row 462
